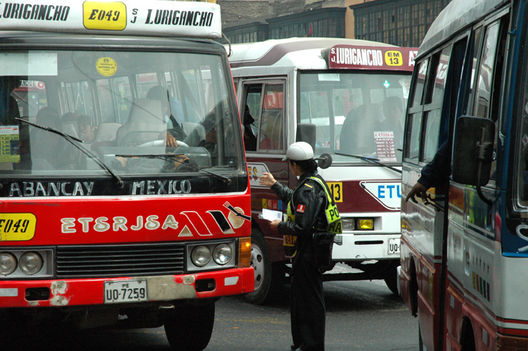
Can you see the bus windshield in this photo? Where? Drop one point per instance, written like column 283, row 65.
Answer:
column 355, row 114
column 71, row 113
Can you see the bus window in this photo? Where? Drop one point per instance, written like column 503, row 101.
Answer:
column 415, row 111
column 338, row 103
column 485, row 71
column 419, row 85
column 435, row 95
column 271, row 132
column 251, row 115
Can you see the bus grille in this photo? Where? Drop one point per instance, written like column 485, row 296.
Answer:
column 119, row 260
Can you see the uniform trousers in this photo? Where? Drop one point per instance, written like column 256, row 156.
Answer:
column 307, row 305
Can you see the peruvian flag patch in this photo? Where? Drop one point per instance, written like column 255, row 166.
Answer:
column 300, row 208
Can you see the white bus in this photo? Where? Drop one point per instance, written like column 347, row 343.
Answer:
column 345, row 97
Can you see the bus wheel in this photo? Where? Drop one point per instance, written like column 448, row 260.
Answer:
column 189, row 327
column 391, row 279
column 262, row 266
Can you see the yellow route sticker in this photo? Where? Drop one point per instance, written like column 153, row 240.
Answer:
column 106, row 66
column 393, row 58
column 336, row 188
column 104, row 15
column 17, row 226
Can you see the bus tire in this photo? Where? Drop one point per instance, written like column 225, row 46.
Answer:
column 391, row 279
column 189, row 327
column 261, row 264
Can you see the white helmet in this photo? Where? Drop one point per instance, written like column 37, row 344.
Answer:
column 299, row 151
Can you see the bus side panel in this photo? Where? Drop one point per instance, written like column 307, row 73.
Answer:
column 407, row 260
column 264, row 197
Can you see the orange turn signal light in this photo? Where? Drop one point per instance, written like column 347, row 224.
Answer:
column 244, row 252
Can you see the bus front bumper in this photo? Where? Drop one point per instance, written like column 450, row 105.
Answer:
column 98, row 291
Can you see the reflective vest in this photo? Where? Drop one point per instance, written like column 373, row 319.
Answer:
column 332, row 217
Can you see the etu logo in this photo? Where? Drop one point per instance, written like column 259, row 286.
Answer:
column 389, row 191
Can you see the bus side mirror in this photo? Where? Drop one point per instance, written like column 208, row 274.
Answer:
column 324, row 161
column 473, row 150
column 306, row 132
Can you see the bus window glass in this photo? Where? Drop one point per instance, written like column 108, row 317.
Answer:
column 30, row 97
column 485, row 71
column 432, row 131
column 414, row 136
column 93, row 101
column 355, row 113
column 476, row 42
column 432, row 118
column 419, row 85
column 251, row 115
column 440, row 77
column 271, row 135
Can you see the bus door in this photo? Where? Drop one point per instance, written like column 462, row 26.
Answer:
column 427, row 139
column 264, row 106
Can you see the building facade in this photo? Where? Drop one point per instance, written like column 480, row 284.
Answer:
column 401, row 22
column 398, row 22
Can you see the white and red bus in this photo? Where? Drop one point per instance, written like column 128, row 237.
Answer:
column 464, row 246
column 124, row 191
column 346, row 97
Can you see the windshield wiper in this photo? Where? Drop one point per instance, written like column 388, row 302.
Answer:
column 72, row 140
column 160, row 156
column 371, row 160
column 226, row 180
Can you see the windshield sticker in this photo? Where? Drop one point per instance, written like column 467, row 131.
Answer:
column 385, row 146
column 17, row 226
column 256, row 170
column 106, row 66
column 9, row 144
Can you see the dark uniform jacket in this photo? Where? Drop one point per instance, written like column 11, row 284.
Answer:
column 308, row 205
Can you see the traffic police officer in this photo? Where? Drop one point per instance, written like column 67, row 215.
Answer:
column 308, row 208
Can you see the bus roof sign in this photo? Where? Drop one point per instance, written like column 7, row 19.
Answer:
column 369, row 57
column 136, row 17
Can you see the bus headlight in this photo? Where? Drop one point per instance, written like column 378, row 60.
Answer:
column 348, row 224
column 222, row 254
column 8, row 263
column 200, row 256
column 30, row 263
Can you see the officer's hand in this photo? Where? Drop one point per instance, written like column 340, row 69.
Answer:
column 267, row 179
column 417, row 190
column 274, row 225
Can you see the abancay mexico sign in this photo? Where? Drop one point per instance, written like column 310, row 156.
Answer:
column 371, row 57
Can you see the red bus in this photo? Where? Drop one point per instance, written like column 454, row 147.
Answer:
column 345, row 97
column 124, row 191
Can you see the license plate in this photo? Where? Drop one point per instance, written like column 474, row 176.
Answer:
column 394, row 246
column 125, row 291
